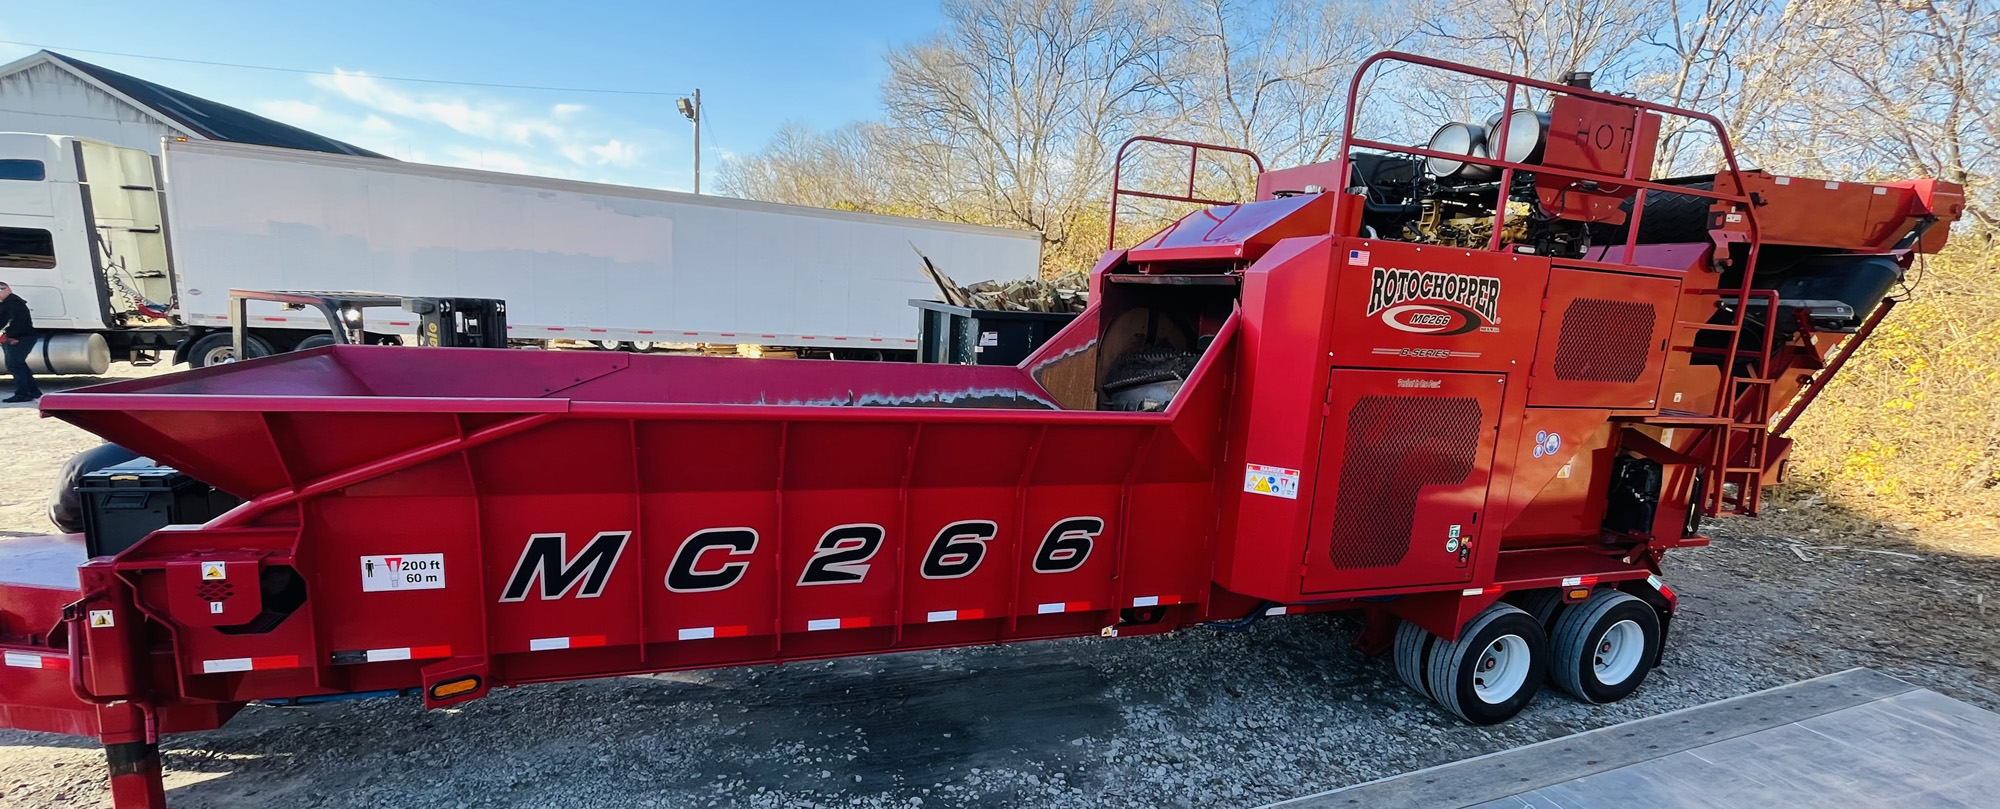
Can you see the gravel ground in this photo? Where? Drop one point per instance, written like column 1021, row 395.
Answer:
column 1196, row 719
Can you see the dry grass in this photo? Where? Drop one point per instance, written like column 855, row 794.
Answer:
column 1909, row 433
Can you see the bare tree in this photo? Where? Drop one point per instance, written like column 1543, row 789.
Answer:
column 1015, row 108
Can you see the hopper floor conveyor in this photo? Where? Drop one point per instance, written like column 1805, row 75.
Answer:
column 1480, row 439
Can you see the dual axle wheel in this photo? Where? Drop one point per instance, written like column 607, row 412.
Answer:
column 1598, row 651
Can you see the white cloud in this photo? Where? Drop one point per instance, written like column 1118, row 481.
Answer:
column 473, row 129
column 616, row 153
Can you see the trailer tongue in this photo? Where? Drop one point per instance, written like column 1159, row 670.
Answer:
column 1268, row 408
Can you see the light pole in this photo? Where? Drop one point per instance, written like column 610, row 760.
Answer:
column 691, row 107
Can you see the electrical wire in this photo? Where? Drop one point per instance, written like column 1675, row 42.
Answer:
column 241, row 66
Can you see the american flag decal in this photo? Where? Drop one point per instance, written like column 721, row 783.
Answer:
column 1357, row 258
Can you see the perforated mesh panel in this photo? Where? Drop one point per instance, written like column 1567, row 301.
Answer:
column 1604, row 341
column 1397, row 445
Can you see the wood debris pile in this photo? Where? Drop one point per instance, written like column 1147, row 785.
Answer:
column 1066, row 293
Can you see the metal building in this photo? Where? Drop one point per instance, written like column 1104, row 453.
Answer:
column 50, row 93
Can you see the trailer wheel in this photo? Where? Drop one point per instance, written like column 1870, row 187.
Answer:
column 315, row 341
column 219, row 347
column 608, row 345
column 642, row 346
column 1412, row 642
column 1605, row 646
column 1544, row 604
column 1494, row 668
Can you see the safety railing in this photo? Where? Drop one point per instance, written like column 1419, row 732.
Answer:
column 1729, row 387
column 1118, row 189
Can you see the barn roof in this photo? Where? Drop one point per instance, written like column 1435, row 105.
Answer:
column 209, row 119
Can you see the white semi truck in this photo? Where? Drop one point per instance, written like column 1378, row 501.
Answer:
column 122, row 256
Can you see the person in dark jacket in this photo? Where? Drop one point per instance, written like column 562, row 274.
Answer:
column 17, row 338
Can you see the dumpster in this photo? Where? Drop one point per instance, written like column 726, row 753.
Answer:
column 960, row 335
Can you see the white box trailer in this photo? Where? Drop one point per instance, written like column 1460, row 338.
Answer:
column 573, row 260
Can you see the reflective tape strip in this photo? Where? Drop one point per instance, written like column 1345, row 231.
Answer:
column 1479, row 591
column 31, row 660
column 389, row 655
column 818, row 624
column 1063, row 606
column 955, row 615
column 1579, row 581
column 1277, row 611
column 571, row 642
column 1154, row 601
column 1655, row 581
column 249, row 664
column 707, row 632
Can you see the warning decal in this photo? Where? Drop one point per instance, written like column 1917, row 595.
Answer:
column 1275, row 481
column 214, row 570
column 101, row 619
column 408, row 571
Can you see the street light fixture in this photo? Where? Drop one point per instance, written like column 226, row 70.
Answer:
column 691, row 108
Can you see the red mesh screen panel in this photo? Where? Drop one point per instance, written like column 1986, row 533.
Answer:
column 1604, row 340
column 1396, row 446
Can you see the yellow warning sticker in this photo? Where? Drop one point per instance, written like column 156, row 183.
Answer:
column 100, row 619
column 214, row 570
column 1274, row 481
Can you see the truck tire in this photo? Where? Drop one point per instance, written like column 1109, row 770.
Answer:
column 219, row 347
column 1494, row 668
column 1412, row 643
column 1604, row 647
column 315, row 341
column 1546, row 605
column 65, row 504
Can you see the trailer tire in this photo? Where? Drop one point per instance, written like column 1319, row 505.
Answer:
column 219, row 347
column 1546, row 605
column 1604, row 648
column 315, row 341
column 1494, row 668
column 1412, row 644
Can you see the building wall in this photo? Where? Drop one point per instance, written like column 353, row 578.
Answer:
column 47, row 99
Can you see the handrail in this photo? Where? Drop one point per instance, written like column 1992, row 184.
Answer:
column 1628, row 178
column 1194, row 162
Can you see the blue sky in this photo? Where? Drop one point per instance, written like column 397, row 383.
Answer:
column 758, row 64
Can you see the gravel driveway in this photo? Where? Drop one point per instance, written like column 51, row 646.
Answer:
column 1196, row 719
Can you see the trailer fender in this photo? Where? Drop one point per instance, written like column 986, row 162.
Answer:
column 1443, row 614
column 1664, row 602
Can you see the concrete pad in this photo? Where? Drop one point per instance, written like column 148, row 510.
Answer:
column 1853, row 739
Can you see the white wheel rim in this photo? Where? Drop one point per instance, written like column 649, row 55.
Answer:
column 1501, row 669
column 1617, row 653
column 218, row 356
column 642, row 346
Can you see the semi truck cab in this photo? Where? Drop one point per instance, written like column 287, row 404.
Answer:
column 82, row 238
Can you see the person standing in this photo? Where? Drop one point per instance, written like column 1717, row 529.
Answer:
column 17, row 338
